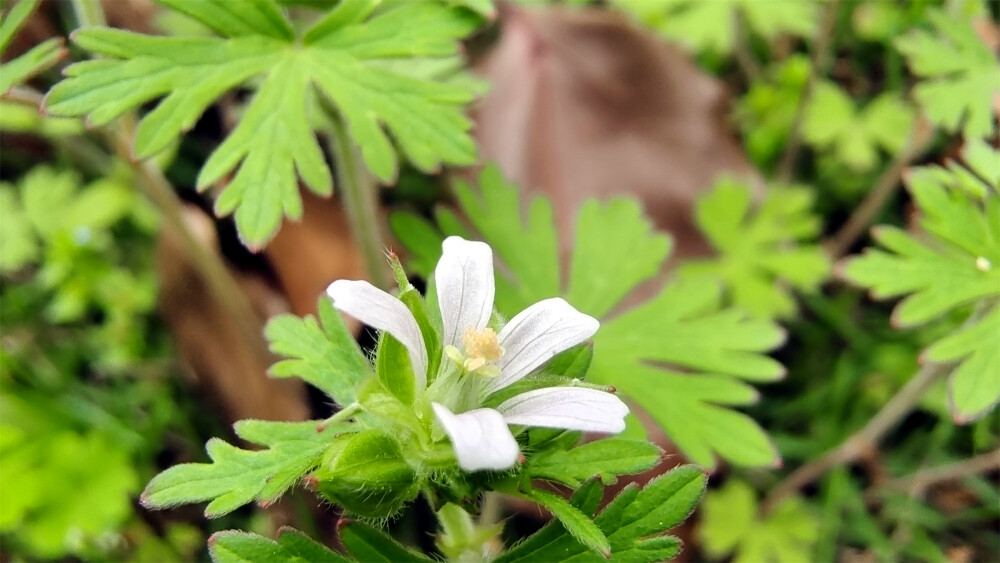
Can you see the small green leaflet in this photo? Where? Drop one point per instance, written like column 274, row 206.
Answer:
column 961, row 75
column 957, row 264
column 634, row 522
column 38, row 59
column 370, row 545
column 324, row 354
column 854, row 137
column 710, row 26
column 679, row 355
column 233, row 546
column 236, row 476
column 730, row 523
column 341, row 56
column 605, row 458
column 762, row 249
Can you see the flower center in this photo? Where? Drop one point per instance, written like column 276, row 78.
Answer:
column 482, row 344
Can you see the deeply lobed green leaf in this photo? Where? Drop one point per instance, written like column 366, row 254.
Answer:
column 342, row 57
column 953, row 266
column 645, row 351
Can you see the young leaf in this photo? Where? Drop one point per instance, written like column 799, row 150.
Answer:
column 606, row 458
column 367, row 544
column 960, row 75
column 233, row 546
column 324, row 354
column 956, row 264
column 236, row 476
column 578, row 524
column 710, row 26
column 731, row 523
column 36, row 60
column 854, row 137
column 342, row 55
column 644, row 352
column 634, row 522
column 759, row 250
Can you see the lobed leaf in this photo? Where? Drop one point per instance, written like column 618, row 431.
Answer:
column 634, row 522
column 342, row 57
column 36, row 60
column 954, row 266
column 323, row 353
column 762, row 251
column 644, row 351
column 292, row 546
column 236, row 476
column 960, row 75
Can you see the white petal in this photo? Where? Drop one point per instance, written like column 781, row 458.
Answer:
column 480, row 437
column 464, row 278
column 572, row 408
column 378, row 309
column 537, row 334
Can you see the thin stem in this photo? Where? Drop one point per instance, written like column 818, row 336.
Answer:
column 862, row 442
column 817, row 68
column 218, row 278
column 89, row 13
column 744, row 55
column 360, row 196
column 491, row 511
column 875, row 200
column 342, row 415
column 919, row 481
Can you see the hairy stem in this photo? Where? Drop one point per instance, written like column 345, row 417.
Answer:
column 360, row 196
column 817, row 68
column 875, row 200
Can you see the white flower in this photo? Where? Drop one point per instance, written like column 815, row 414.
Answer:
column 483, row 361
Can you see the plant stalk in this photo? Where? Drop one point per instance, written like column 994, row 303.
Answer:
column 216, row 275
column 89, row 13
column 862, row 442
column 921, row 480
column 875, row 200
column 820, row 54
column 360, row 196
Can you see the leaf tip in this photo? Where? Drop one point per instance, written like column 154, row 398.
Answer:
column 310, row 482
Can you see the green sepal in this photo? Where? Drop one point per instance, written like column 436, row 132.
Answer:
column 432, row 342
column 369, row 477
column 379, row 402
column 394, row 369
column 461, row 539
column 572, row 363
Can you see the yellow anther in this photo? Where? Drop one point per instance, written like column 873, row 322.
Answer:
column 482, row 345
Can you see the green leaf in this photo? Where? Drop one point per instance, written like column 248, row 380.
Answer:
column 18, row 245
column 634, row 522
column 367, row 544
column 831, row 123
column 341, row 57
column 233, row 546
column 605, row 458
column 678, row 355
column 710, row 26
column 760, row 255
column 955, row 265
column 731, row 523
column 324, row 354
column 961, row 75
column 36, row 60
column 578, row 524
column 236, row 476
